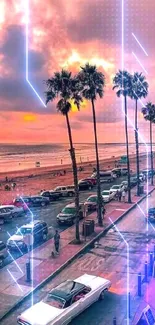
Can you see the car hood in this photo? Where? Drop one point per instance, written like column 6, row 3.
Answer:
column 40, row 314
column 92, row 281
column 106, row 196
column 16, row 238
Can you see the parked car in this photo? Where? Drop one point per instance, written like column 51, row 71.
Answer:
column 92, row 180
column 52, row 195
column 31, row 201
column 124, row 171
column 15, row 211
column 85, row 185
column 91, row 202
column 5, row 214
column 68, row 214
column 3, row 253
column 117, row 172
column 106, row 176
column 107, row 195
column 38, row 229
column 151, row 214
column 64, row 302
column 147, row 173
column 116, row 188
column 66, row 190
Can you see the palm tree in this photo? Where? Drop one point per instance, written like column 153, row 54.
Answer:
column 93, row 82
column 65, row 87
column 123, row 82
column 139, row 90
column 149, row 115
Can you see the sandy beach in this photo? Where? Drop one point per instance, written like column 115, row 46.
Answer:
column 32, row 181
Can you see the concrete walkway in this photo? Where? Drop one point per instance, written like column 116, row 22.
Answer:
column 13, row 285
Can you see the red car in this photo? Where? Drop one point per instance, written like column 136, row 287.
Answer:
column 91, row 180
column 18, row 202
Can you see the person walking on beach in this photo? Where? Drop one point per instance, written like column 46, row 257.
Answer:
column 56, row 241
column 123, row 195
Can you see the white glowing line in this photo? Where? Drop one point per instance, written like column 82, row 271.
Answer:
column 15, row 243
column 128, row 270
column 139, row 44
column 27, row 51
column 32, row 275
column 15, row 280
column 139, row 62
column 16, row 263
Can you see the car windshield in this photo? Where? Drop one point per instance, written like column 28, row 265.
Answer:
column 55, row 301
column 68, row 210
column 115, row 187
column 24, row 231
column 92, row 199
column 105, row 193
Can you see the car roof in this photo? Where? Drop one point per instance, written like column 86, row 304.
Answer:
column 7, row 206
column 72, row 205
column 93, row 195
column 67, row 290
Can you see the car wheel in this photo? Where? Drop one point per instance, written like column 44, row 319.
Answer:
column 44, row 237
column 70, row 194
column 43, row 204
column 15, row 215
column 102, row 294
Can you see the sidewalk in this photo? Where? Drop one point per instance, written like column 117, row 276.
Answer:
column 13, row 285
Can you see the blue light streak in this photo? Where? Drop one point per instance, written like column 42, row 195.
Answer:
column 15, row 262
column 27, row 52
column 14, row 280
column 32, row 274
column 139, row 62
column 139, row 44
column 140, row 136
column 128, row 268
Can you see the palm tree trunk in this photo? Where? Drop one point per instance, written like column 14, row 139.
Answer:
column 151, row 152
column 75, row 176
column 99, row 199
column 137, row 148
column 127, row 149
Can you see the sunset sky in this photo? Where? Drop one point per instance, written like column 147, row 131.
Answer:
column 67, row 34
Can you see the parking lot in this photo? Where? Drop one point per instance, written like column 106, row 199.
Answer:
column 48, row 214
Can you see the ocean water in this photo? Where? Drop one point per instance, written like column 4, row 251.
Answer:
column 23, row 157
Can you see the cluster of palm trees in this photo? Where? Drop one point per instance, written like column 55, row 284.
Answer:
column 89, row 84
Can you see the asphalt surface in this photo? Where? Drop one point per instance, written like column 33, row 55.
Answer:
column 47, row 214
column 110, row 261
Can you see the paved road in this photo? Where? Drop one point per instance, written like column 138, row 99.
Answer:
column 109, row 261
column 47, row 214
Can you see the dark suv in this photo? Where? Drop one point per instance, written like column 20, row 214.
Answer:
column 31, row 201
column 151, row 214
column 37, row 229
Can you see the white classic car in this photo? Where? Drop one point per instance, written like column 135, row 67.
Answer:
column 107, row 195
column 66, row 301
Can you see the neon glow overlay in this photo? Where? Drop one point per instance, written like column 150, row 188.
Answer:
column 129, row 121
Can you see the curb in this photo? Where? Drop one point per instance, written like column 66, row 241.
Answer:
column 62, row 267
